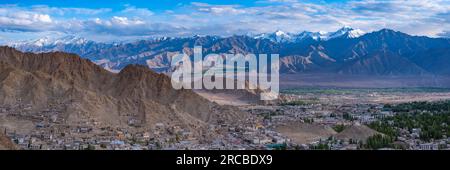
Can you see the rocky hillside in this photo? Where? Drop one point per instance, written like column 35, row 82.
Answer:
column 84, row 91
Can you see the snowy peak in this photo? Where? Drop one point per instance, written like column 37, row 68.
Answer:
column 280, row 33
column 281, row 37
column 346, row 32
column 312, row 35
column 277, row 36
column 39, row 42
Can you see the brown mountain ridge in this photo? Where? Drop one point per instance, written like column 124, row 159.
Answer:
column 82, row 91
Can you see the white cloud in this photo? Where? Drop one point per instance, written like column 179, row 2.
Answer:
column 42, row 18
column 23, row 20
column 138, row 12
column 68, row 11
column 219, row 9
column 123, row 26
column 125, row 21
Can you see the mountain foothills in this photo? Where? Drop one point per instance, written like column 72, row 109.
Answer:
column 346, row 51
column 81, row 92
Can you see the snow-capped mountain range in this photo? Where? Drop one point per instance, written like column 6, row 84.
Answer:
column 346, row 51
column 283, row 37
column 278, row 36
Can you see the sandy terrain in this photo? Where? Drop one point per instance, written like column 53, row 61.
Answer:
column 224, row 98
column 302, row 133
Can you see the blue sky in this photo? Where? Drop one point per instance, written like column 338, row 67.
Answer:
column 110, row 20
